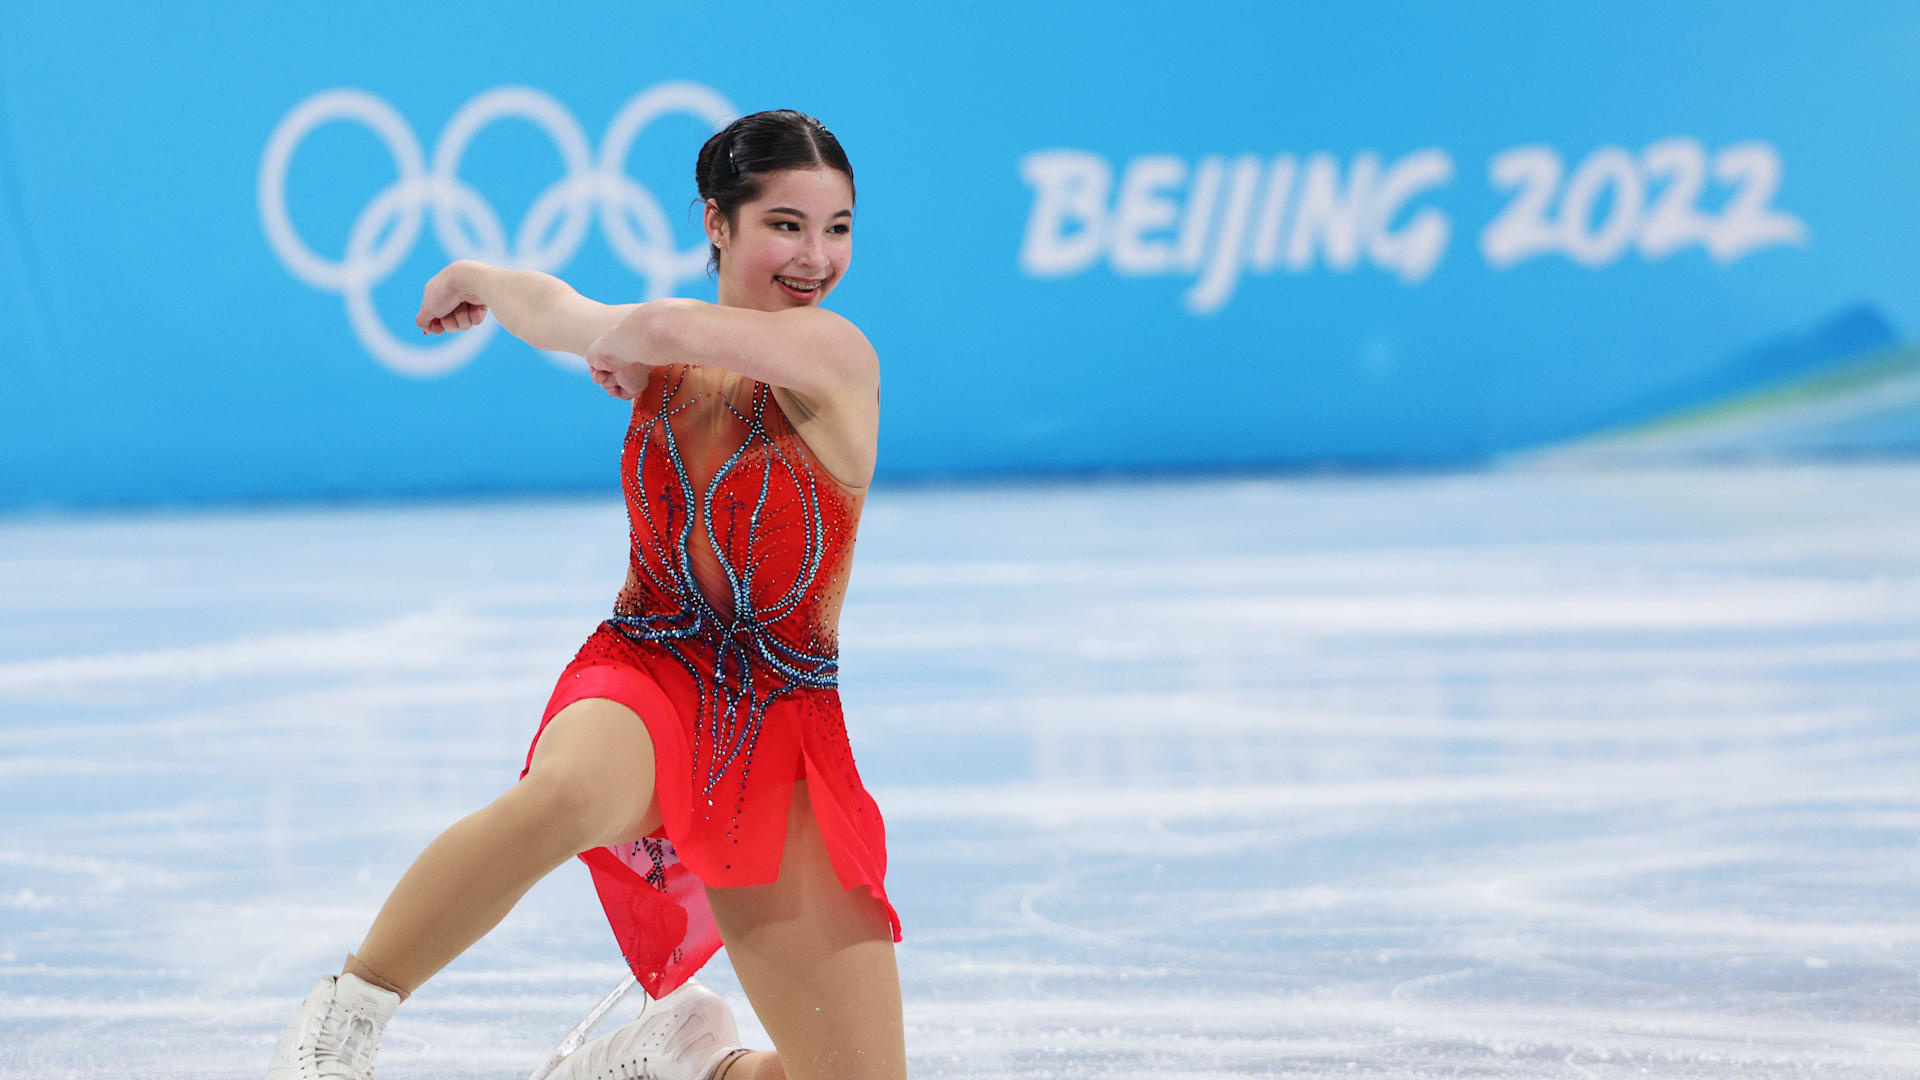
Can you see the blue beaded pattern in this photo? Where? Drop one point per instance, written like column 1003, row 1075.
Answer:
column 720, row 651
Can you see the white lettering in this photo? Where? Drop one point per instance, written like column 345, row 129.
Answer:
column 1193, row 230
column 1606, row 168
column 1223, row 269
column 1218, row 218
column 1070, row 186
column 1748, row 222
column 1141, row 210
column 1522, row 231
column 1328, row 217
column 1531, row 225
column 1415, row 250
column 1273, row 209
column 1674, row 222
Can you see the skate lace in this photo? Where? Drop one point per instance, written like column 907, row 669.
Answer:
column 344, row 1043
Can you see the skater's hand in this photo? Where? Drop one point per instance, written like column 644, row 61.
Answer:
column 451, row 300
column 605, row 378
column 621, row 359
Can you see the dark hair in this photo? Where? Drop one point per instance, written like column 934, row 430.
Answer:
column 732, row 165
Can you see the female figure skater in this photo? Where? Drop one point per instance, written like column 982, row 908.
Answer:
column 693, row 754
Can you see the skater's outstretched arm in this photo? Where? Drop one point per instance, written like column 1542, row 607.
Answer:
column 813, row 352
column 537, row 308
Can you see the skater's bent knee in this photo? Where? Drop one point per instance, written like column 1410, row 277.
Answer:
column 592, row 774
column 586, row 807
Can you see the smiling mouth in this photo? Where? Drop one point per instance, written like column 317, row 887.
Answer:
column 801, row 285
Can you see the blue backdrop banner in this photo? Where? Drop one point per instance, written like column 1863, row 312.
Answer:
column 1088, row 237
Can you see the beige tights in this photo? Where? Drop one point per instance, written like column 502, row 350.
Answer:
column 750, row 1065
column 460, row 887
column 591, row 762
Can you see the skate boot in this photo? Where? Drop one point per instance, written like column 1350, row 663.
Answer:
column 336, row 1032
column 683, row 1036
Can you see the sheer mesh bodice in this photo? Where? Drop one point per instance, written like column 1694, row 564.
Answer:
column 742, row 544
column 725, row 642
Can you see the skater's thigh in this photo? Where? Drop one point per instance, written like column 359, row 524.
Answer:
column 595, row 760
column 816, row 961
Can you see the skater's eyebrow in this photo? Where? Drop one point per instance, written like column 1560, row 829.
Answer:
column 802, row 216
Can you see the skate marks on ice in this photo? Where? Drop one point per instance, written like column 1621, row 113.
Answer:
column 1514, row 774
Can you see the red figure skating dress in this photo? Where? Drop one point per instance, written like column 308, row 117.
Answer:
column 725, row 642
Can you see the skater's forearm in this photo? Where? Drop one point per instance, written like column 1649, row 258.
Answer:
column 542, row 310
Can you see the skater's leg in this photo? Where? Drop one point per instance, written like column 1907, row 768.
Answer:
column 816, row 961
column 757, row 1065
column 590, row 783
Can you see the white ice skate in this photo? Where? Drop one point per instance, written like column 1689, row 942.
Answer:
column 336, row 1032
column 683, row 1036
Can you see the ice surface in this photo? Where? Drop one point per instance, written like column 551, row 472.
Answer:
column 1516, row 774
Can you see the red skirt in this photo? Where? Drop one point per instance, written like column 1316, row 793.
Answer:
column 723, row 833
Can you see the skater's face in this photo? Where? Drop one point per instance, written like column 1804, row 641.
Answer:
column 799, row 229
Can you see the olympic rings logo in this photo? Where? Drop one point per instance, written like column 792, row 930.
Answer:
column 587, row 186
